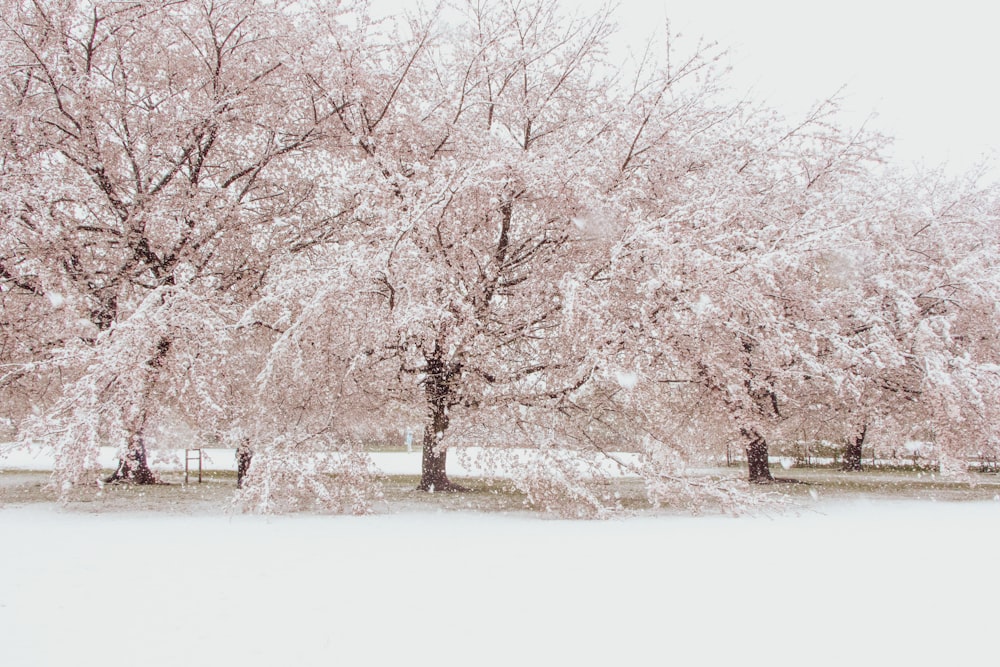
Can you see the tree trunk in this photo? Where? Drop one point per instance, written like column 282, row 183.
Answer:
column 440, row 394
column 433, row 468
column 760, row 471
column 133, row 468
column 244, row 456
column 852, row 455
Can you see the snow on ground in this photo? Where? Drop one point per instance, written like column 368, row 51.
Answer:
column 13, row 457
column 862, row 583
column 389, row 463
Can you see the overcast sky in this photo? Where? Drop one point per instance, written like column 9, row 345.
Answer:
column 928, row 69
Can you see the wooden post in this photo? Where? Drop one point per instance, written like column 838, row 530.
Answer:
column 188, row 458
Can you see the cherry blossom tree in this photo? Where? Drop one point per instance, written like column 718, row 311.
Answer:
column 915, row 329
column 458, row 294
column 155, row 149
column 302, row 228
column 505, row 153
column 717, row 273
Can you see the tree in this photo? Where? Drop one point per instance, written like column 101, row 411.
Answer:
column 473, row 223
column 721, row 268
column 915, row 325
column 504, row 156
column 157, row 155
column 302, row 228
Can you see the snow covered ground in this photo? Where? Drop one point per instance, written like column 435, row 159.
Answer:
column 389, row 463
column 882, row 583
column 13, row 457
column 878, row 582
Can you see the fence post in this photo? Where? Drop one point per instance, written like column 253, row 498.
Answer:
column 187, row 463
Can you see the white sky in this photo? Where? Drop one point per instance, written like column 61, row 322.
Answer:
column 926, row 68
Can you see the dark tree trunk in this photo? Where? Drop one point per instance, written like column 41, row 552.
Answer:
column 133, row 468
column 852, row 455
column 244, row 456
column 440, row 392
column 433, row 469
column 760, row 471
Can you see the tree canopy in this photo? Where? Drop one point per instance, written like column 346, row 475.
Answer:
column 293, row 225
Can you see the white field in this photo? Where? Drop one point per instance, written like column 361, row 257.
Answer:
column 875, row 582
column 866, row 584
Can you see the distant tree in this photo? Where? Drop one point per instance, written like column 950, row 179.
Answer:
column 727, row 312
column 916, row 324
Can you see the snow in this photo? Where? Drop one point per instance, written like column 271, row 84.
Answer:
column 627, row 379
column 906, row 583
column 13, row 457
column 467, row 463
column 896, row 583
column 703, row 306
